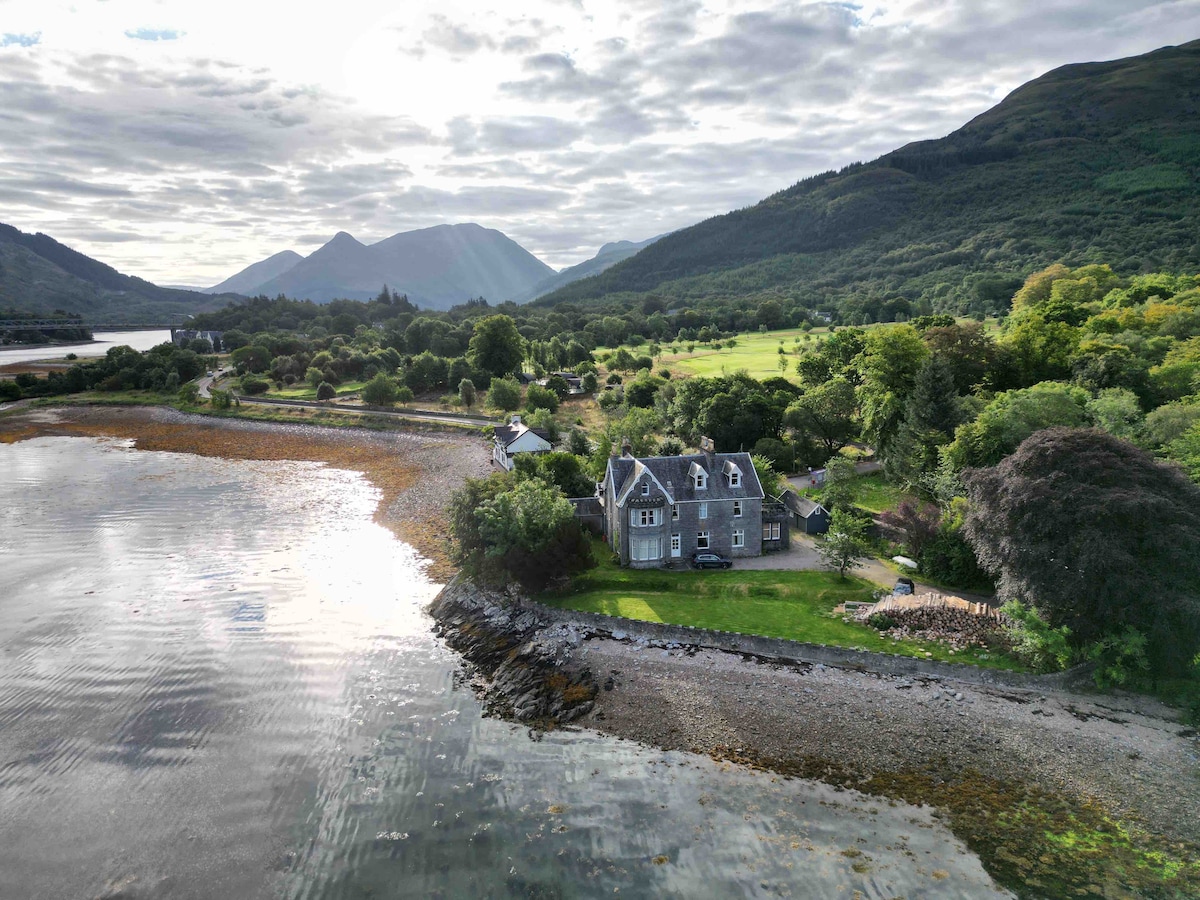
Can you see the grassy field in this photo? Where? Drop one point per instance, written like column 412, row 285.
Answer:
column 308, row 392
column 756, row 352
column 872, row 493
column 794, row 605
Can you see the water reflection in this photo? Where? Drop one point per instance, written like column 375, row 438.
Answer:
column 216, row 681
column 102, row 340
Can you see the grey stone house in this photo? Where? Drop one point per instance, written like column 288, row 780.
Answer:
column 662, row 509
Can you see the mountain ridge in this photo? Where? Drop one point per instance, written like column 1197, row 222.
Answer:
column 1089, row 162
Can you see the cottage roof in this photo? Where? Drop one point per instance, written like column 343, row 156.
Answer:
column 674, row 475
column 802, row 506
column 506, row 434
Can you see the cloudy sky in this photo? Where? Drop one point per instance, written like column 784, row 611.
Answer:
column 181, row 141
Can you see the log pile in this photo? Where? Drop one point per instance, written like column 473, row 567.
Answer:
column 933, row 617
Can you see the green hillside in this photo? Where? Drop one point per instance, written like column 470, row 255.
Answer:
column 40, row 275
column 1092, row 162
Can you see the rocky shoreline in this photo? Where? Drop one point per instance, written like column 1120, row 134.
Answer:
column 1006, row 766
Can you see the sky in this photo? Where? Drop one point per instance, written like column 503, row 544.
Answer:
column 181, row 141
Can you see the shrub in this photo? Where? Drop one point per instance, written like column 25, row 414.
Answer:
column 379, row 391
column 325, row 391
column 404, row 394
column 538, row 397
column 1035, row 642
column 252, row 385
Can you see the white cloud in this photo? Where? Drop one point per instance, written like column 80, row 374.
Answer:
column 565, row 125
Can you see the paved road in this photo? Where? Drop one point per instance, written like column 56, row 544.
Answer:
column 803, row 555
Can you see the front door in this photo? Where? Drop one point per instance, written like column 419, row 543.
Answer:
column 676, row 546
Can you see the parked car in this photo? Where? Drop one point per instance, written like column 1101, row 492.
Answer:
column 904, row 586
column 710, row 561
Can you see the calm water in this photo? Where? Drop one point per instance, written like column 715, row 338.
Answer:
column 216, row 681
column 138, row 340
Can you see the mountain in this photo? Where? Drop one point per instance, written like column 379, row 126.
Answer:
column 40, row 275
column 607, row 257
column 1097, row 162
column 437, row 267
column 245, row 281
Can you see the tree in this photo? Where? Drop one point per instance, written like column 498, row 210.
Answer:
column 379, row 391
column 839, row 489
column 914, row 524
column 559, row 385
column 531, row 533
column 844, row 546
column 538, row 397
column 496, row 346
column 888, row 364
column 326, row 391
column 466, row 392
column 561, row 469
column 578, row 443
column 504, row 394
column 827, row 413
column 1013, row 416
column 1098, row 536
column 771, row 481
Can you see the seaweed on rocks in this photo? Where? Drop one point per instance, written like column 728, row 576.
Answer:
column 523, row 667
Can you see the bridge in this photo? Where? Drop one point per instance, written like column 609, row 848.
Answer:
column 55, row 324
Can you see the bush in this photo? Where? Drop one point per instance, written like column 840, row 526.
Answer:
column 379, row 391
column 252, row 385
column 881, row 621
column 404, row 394
column 504, row 394
column 1035, row 643
column 538, row 397
column 10, row 390
column 325, row 391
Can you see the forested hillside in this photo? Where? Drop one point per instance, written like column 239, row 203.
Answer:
column 1089, row 163
column 40, row 275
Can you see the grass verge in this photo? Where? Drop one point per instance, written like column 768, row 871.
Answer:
column 797, row 606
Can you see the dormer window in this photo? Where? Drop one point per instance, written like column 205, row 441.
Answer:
column 701, row 481
column 645, row 489
column 735, row 479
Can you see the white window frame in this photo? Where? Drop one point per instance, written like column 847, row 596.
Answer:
column 645, row 489
column 739, row 538
column 647, row 518
column 674, row 512
column 702, row 540
column 735, row 479
column 701, row 481
column 737, row 509
column 645, row 549
column 703, row 514
column 771, row 531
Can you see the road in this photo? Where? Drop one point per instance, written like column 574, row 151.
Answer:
column 802, row 554
column 205, row 382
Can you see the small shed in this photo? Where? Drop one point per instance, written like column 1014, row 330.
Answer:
column 809, row 516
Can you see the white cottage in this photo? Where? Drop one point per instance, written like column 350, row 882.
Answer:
column 514, row 438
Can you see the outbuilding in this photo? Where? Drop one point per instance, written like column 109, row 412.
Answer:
column 808, row 515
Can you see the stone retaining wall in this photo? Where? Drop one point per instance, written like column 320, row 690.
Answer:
column 799, row 651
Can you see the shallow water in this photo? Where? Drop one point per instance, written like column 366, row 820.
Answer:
column 216, row 681
column 103, row 340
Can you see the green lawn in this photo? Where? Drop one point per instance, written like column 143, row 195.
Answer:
column 872, row 493
column 756, row 352
column 794, row 605
column 306, row 391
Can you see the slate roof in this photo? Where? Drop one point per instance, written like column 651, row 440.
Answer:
column 672, row 474
column 801, row 506
column 506, row 434
column 586, row 506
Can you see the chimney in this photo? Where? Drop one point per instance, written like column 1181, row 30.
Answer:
column 709, row 450
column 516, row 420
column 626, row 447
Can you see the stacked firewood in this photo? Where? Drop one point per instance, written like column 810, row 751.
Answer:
column 958, row 628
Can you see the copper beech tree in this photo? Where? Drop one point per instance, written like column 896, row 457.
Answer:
column 1096, row 535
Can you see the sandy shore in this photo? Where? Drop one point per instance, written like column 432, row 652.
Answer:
column 414, row 469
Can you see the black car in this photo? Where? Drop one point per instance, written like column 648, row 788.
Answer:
column 710, row 561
